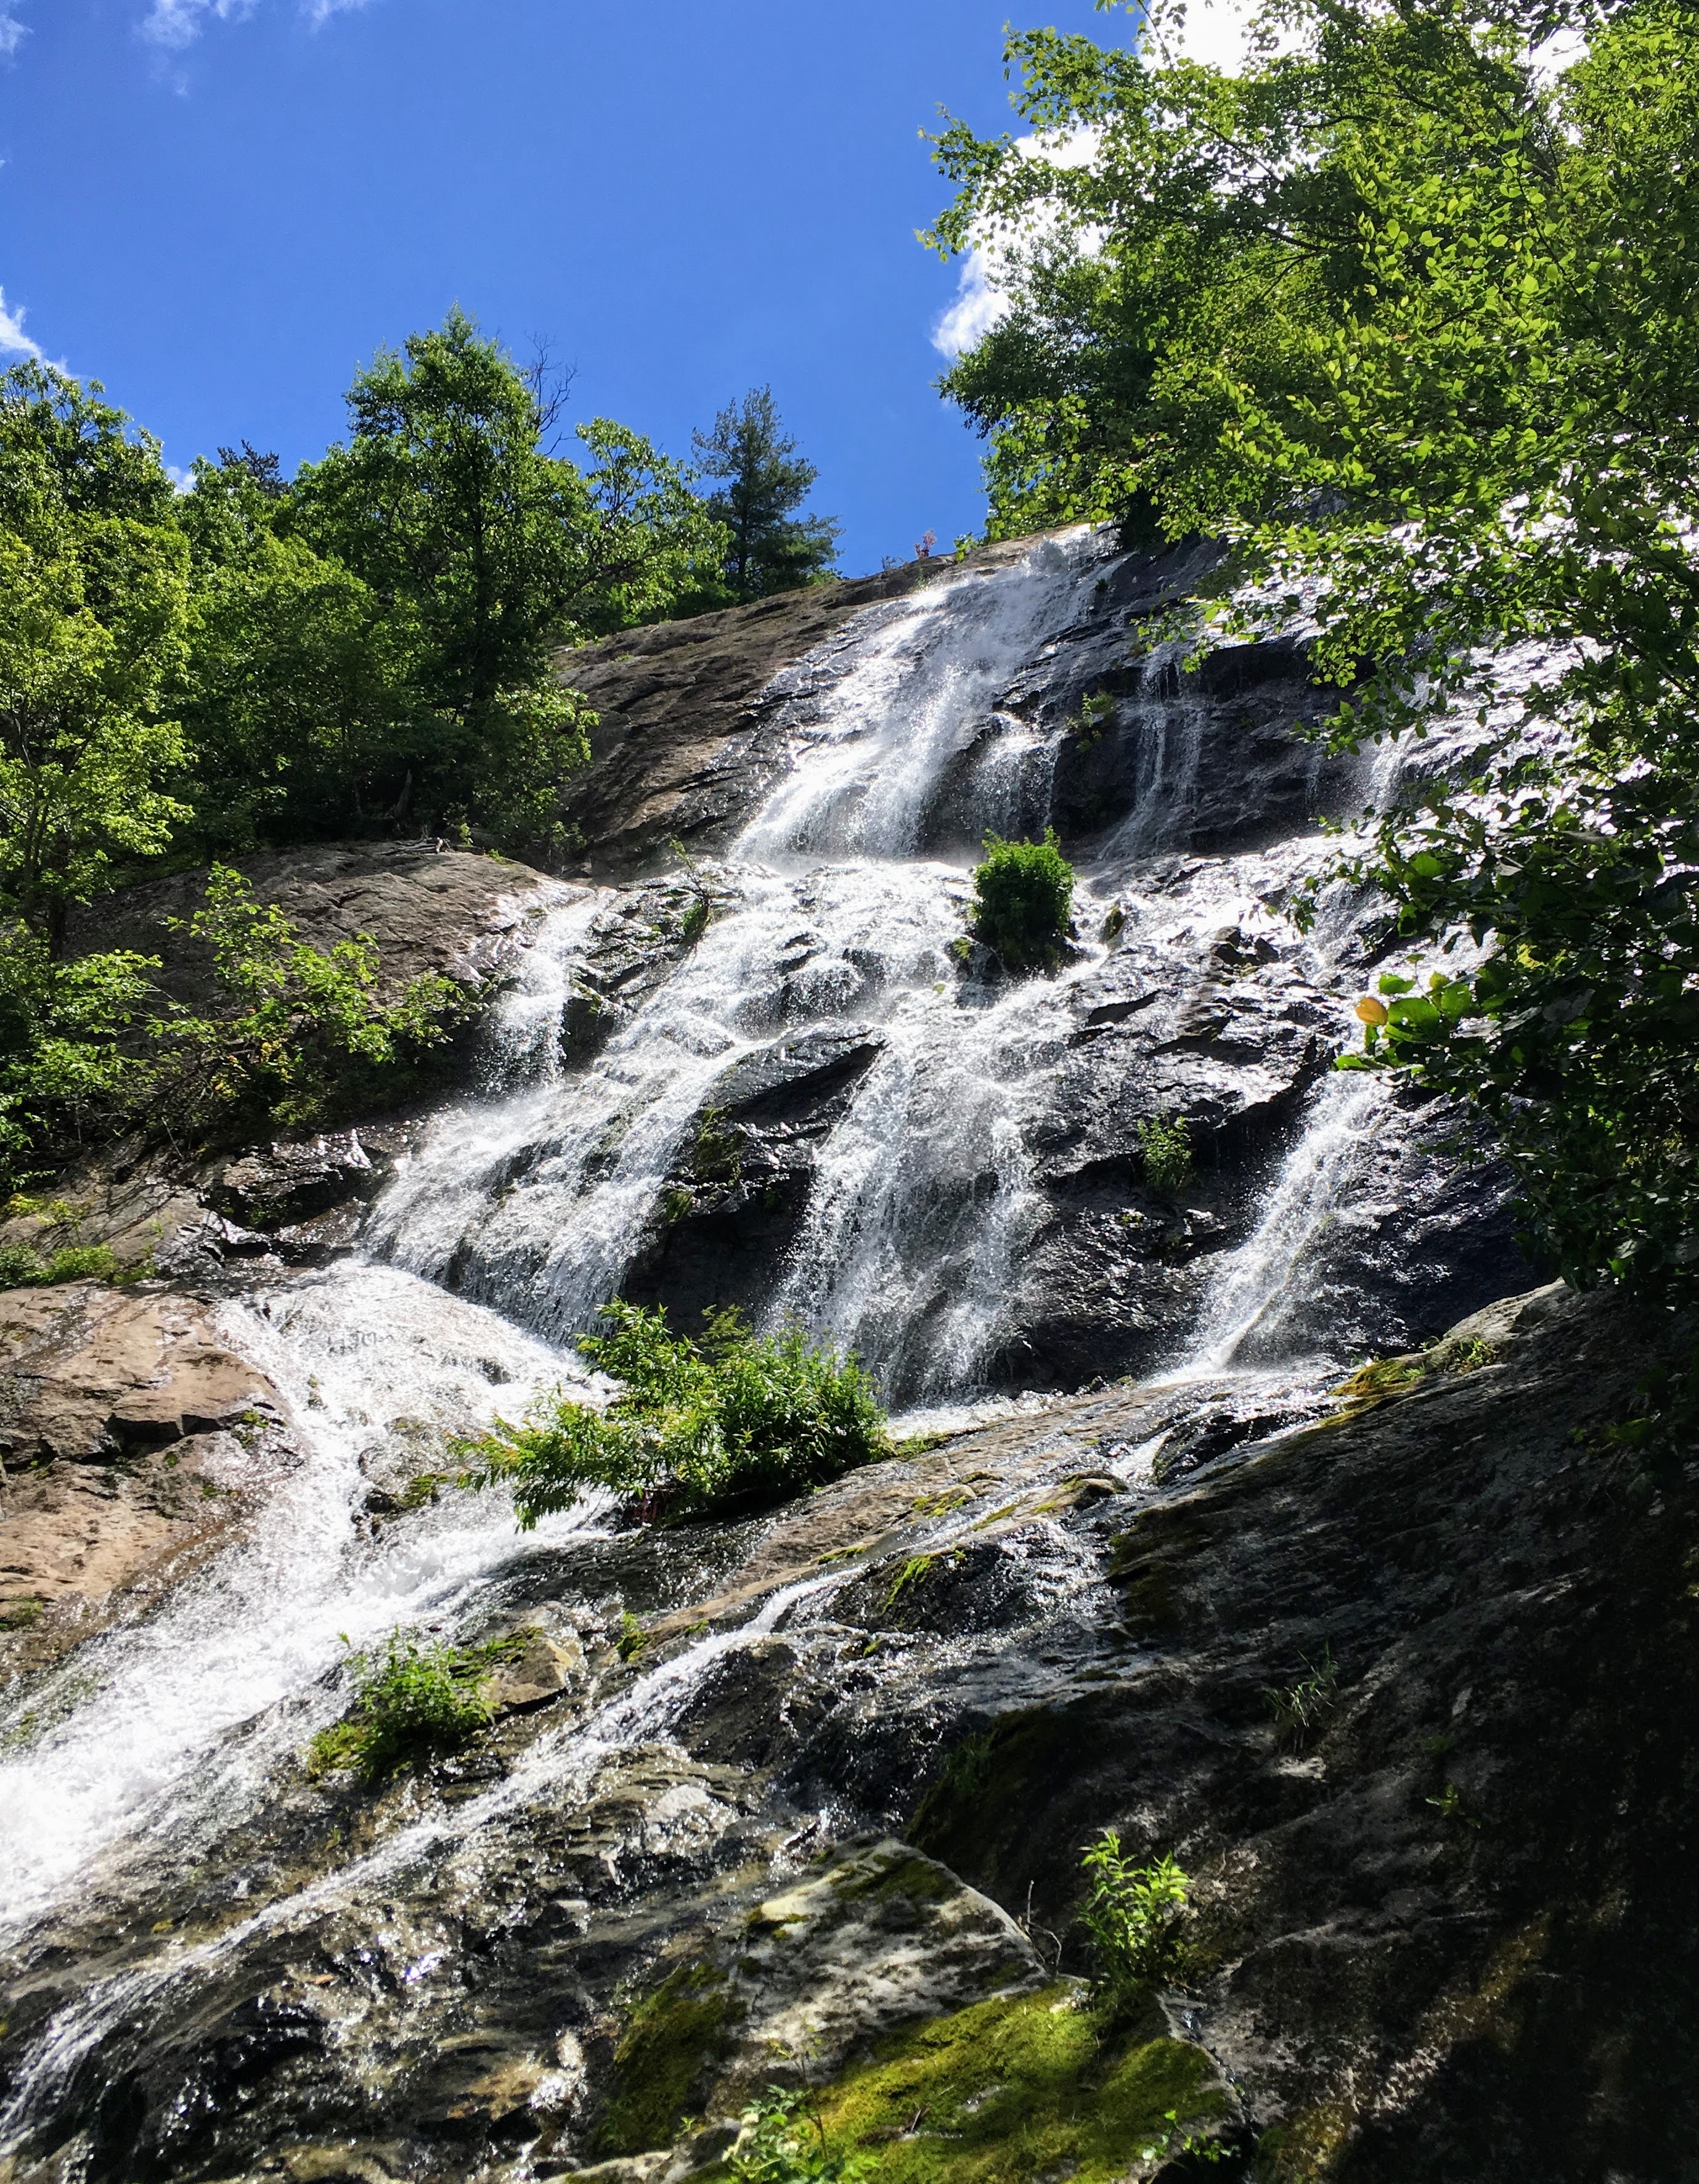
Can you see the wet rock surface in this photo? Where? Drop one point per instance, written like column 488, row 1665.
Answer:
column 819, row 1780
column 132, row 1442
column 870, row 1812
column 695, row 717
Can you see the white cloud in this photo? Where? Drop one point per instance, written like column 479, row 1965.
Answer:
column 13, row 33
column 981, row 300
column 178, row 22
column 14, row 340
column 175, row 24
column 976, row 309
column 1224, row 34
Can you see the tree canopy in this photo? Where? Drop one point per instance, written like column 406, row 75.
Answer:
column 370, row 646
column 1404, row 313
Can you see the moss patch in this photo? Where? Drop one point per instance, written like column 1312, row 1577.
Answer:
column 1011, row 2091
column 663, row 2061
column 916, row 1878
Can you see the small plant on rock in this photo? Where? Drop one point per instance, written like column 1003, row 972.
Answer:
column 1095, row 711
column 1165, row 1148
column 1299, row 1709
column 1023, row 900
column 1131, row 1918
column 412, row 1700
column 784, row 2141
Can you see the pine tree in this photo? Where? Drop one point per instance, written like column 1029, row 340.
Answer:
column 772, row 549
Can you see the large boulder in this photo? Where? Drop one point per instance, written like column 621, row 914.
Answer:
column 428, row 907
column 132, row 1439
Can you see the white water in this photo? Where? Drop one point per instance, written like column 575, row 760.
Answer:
column 362, row 1354
column 536, row 1203
column 531, row 1200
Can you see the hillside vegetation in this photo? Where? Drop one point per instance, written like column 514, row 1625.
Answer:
column 1404, row 313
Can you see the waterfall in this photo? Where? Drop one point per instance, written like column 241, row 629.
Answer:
column 535, row 1203
column 841, row 906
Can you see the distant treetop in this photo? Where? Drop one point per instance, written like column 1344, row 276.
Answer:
column 772, row 549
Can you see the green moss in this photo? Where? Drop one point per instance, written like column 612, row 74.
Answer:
column 916, row 1878
column 663, row 2061
column 1377, row 1383
column 915, row 1571
column 1306, row 2149
column 1149, row 1598
column 1014, row 2090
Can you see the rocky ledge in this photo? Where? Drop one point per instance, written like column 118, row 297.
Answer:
column 132, row 1442
column 819, row 1812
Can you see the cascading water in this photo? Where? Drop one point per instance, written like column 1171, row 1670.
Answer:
column 535, row 1205
column 522, row 1209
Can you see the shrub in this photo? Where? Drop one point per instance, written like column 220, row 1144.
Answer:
column 734, row 1420
column 412, row 1700
column 1023, row 897
column 22, row 1268
column 1131, row 1917
column 90, row 1047
column 1165, row 1146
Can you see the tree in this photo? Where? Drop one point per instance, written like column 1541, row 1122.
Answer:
column 771, row 549
column 93, row 607
column 1405, row 319
column 494, row 551
column 299, row 696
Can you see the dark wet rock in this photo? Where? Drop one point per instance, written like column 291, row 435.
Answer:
column 731, row 1207
column 1103, row 732
column 632, row 949
column 283, row 1187
column 1400, row 1946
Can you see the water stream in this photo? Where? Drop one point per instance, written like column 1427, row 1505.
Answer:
column 522, row 1208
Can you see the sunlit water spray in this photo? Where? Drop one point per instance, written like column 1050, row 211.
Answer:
column 528, row 1203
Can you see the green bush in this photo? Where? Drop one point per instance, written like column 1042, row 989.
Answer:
column 22, row 1268
column 1023, row 899
column 300, row 1035
column 412, row 1700
column 1131, row 1917
column 1165, row 1146
column 734, row 1420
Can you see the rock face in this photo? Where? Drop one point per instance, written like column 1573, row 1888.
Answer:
column 835, row 1801
column 695, row 716
column 1399, row 1671
column 131, row 1440
column 465, row 917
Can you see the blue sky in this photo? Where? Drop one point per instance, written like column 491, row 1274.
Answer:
column 222, row 207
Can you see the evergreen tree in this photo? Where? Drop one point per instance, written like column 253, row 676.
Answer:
column 772, row 549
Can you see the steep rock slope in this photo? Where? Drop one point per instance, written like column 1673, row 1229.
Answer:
column 1439, row 1935
column 824, row 1778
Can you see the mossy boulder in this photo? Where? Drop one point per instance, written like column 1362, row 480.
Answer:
column 1023, row 2087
